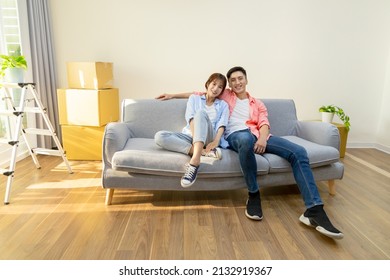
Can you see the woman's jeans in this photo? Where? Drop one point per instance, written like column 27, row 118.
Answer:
column 181, row 142
column 243, row 142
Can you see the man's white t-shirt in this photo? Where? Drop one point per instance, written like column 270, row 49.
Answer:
column 239, row 117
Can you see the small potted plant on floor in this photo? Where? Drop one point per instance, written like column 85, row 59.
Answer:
column 329, row 111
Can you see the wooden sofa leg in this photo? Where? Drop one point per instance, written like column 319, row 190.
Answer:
column 332, row 187
column 109, row 195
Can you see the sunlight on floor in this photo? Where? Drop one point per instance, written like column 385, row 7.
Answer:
column 68, row 184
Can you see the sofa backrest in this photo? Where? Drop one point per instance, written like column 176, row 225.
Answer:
column 147, row 116
column 282, row 116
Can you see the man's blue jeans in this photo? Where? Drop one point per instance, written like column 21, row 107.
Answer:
column 243, row 142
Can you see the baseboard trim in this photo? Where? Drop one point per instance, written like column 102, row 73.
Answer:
column 383, row 148
column 380, row 147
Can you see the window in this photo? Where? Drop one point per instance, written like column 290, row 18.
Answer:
column 10, row 26
column 11, row 42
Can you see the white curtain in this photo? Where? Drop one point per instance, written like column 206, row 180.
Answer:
column 43, row 66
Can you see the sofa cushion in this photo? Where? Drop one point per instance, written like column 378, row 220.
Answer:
column 319, row 155
column 142, row 155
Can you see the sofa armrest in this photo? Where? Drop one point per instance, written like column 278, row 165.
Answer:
column 116, row 135
column 319, row 132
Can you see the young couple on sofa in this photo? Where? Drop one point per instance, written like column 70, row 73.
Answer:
column 232, row 118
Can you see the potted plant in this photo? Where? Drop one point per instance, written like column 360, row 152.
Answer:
column 11, row 62
column 329, row 111
column 343, row 130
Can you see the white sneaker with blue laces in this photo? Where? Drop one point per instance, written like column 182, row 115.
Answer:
column 189, row 176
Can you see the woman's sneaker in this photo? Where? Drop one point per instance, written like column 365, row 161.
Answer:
column 189, row 176
column 213, row 153
column 316, row 217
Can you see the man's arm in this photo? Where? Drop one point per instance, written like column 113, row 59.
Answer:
column 166, row 96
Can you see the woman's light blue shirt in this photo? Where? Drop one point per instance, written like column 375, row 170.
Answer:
column 198, row 102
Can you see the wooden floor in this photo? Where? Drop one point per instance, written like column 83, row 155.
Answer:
column 54, row 215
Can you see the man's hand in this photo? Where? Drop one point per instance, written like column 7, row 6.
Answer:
column 261, row 143
column 165, row 96
column 260, row 146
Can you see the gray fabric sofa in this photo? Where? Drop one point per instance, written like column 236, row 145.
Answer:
column 132, row 160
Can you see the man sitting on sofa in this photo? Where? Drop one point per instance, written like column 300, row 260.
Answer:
column 248, row 134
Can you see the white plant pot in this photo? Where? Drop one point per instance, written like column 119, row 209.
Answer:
column 327, row 117
column 14, row 75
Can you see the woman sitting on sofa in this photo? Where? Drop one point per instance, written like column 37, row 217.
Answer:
column 206, row 117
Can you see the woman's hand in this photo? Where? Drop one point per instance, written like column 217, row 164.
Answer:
column 210, row 146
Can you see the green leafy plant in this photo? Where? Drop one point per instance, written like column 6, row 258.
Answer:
column 11, row 61
column 337, row 111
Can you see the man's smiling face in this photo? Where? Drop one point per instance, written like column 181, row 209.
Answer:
column 238, row 82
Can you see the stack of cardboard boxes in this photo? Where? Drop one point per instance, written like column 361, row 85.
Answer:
column 85, row 108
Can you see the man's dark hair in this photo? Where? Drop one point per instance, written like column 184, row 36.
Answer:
column 235, row 69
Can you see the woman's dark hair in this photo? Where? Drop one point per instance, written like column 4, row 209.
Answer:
column 236, row 69
column 217, row 76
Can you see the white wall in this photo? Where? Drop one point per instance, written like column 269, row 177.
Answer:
column 383, row 133
column 315, row 52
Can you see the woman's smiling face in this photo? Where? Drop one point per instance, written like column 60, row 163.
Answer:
column 215, row 88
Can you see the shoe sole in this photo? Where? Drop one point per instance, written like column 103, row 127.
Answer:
column 189, row 185
column 256, row 218
column 320, row 229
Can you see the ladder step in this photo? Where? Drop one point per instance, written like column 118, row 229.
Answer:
column 6, row 172
column 9, row 142
column 35, row 110
column 38, row 131
column 16, row 85
column 10, row 113
column 48, row 152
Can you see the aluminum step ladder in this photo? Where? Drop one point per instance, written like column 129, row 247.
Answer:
column 28, row 94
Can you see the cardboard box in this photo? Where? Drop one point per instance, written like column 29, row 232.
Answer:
column 82, row 142
column 90, row 75
column 88, row 107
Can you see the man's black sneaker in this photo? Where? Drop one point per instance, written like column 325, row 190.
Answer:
column 316, row 217
column 253, row 208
